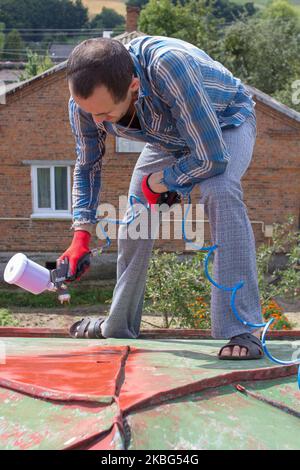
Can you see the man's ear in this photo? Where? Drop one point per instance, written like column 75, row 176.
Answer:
column 135, row 84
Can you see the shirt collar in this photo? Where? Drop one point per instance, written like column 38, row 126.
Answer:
column 144, row 85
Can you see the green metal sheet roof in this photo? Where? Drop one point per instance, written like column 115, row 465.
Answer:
column 58, row 393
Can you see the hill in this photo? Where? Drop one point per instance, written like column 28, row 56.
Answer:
column 95, row 6
column 263, row 3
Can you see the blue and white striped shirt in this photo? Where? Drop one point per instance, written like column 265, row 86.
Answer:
column 185, row 100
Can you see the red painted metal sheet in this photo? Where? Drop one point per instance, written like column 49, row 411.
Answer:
column 85, row 375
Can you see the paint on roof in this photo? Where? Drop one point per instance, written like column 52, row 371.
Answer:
column 59, row 393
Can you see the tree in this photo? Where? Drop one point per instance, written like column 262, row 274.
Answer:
column 162, row 18
column 13, row 46
column 230, row 11
column 264, row 52
column 290, row 93
column 108, row 19
column 35, row 65
column 36, row 14
column 192, row 22
column 137, row 3
column 280, row 9
column 2, row 37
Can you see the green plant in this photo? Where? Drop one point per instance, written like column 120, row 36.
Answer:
column 13, row 46
column 179, row 290
column 272, row 310
column 200, row 314
column 6, row 318
column 2, row 37
column 172, row 284
column 284, row 281
column 36, row 64
column 80, row 295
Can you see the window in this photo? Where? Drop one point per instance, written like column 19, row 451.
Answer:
column 51, row 190
column 129, row 146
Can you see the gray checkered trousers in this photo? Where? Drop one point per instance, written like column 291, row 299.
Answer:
column 234, row 259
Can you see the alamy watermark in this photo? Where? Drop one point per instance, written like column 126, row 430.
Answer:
column 2, row 353
column 296, row 353
column 2, row 92
column 296, row 94
column 137, row 222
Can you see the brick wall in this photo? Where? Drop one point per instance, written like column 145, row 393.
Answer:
column 34, row 125
column 272, row 182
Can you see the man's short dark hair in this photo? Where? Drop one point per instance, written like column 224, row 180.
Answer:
column 100, row 62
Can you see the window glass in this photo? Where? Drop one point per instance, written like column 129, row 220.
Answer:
column 44, row 189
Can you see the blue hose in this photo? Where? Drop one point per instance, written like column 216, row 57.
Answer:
column 210, row 250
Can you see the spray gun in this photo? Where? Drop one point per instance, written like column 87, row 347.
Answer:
column 36, row 279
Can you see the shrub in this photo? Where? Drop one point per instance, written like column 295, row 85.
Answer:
column 284, row 281
column 172, row 284
column 179, row 290
column 199, row 314
column 6, row 318
column 272, row 309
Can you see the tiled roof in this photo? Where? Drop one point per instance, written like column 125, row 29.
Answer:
column 10, row 75
column 60, row 51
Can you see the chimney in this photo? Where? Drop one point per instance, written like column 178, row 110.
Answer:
column 132, row 15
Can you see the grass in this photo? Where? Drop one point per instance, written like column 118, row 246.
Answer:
column 79, row 296
column 95, row 6
column 263, row 3
column 6, row 318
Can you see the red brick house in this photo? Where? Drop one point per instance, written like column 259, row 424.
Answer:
column 37, row 153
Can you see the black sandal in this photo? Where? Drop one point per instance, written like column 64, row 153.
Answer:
column 244, row 340
column 88, row 328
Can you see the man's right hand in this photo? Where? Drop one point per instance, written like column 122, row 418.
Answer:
column 77, row 255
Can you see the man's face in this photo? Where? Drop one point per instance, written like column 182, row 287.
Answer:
column 101, row 104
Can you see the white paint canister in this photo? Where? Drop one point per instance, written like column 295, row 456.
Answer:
column 27, row 274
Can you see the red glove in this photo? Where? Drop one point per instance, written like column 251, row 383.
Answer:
column 78, row 254
column 167, row 197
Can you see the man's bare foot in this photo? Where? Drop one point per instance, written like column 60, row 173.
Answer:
column 237, row 350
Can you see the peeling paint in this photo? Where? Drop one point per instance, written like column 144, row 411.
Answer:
column 142, row 394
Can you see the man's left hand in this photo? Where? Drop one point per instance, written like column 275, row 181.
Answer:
column 156, row 192
column 154, row 182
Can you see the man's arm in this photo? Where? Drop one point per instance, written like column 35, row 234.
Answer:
column 179, row 82
column 90, row 148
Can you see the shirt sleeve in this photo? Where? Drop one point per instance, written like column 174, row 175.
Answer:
column 179, row 83
column 90, row 148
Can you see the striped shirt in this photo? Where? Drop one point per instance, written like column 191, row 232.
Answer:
column 185, row 101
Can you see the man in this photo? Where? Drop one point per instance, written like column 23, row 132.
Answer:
column 199, row 125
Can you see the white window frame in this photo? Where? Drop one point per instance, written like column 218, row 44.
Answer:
column 51, row 212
